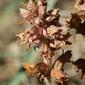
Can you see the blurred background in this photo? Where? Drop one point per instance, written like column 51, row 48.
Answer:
column 12, row 56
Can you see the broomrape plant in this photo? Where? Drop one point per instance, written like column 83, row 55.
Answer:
column 47, row 34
